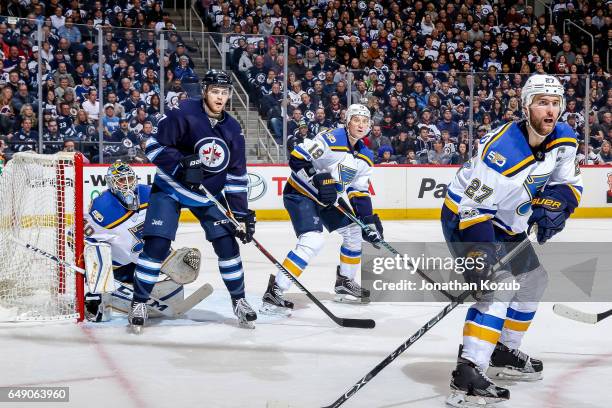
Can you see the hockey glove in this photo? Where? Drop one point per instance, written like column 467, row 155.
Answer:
column 479, row 268
column 549, row 213
column 247, row 222
column 326, row 185
column 190, row 171
column 374, row 234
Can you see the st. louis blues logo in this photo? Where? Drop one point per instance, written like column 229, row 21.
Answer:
column 346, row 175
column 214, row 154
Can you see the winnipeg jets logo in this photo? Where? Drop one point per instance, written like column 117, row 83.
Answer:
column 214, row 154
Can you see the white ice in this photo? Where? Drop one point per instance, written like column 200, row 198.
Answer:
column 205, row 360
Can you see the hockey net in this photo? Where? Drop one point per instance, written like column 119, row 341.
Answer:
column 41, row 205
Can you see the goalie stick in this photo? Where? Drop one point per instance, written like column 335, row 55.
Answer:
column 178, row 309
column 158, row 304
column 341, row 321
column 431, row 323
column 578, row 315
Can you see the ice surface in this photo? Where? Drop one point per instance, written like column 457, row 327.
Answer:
column 205, row 360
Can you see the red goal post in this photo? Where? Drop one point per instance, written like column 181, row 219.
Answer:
column 41, row 204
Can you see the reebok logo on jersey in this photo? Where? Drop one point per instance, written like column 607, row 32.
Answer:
column 158, row 223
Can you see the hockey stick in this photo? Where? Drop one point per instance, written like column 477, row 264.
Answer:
column 580, row 316
column 342, row 207
column 158, row 304
column 341, row 321
column 431, row 323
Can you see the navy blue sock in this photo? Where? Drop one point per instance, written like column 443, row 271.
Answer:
column 230, row 265
column 148, row 266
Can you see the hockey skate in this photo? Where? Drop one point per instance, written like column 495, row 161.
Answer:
column 470, row 387
column 273, row 302
column 137, row 317
column 508, row 364
column 245, row 314
column 349, row 291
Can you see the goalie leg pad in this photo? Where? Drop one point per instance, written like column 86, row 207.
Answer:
column 182, row 265
column 98, row 267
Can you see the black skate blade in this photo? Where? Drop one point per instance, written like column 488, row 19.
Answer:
column 511, row 374
column 244, row 324
column 350, row 299
column 135, row 329
column 273, row 310
column 460, row 399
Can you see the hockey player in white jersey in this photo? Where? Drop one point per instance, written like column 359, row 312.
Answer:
column 523, row 175
column 113, row 230
column 322, row 169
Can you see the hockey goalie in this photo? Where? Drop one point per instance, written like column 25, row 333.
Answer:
column 114, row 232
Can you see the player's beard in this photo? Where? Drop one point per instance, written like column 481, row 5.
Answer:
column 541, row 127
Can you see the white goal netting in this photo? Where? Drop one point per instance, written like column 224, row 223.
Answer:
column 37, row 206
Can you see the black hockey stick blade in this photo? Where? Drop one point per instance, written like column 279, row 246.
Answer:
column 357, row 323
column 578, row 315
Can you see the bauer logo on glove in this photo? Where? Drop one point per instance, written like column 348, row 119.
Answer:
column 548, row 203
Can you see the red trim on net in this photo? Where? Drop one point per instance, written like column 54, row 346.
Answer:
column 79, row 234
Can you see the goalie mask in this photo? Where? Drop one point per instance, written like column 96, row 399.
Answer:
column 123, row 183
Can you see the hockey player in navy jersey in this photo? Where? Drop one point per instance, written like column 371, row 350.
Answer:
column 323, row 168
column 197, row 143
column 523, row 175
column 113, row 230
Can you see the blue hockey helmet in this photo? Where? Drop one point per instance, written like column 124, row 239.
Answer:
column 216, row 78
column 123, row 183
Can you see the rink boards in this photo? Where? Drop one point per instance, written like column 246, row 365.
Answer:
column 398, row 191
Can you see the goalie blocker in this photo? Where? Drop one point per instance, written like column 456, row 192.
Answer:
column 181, row 267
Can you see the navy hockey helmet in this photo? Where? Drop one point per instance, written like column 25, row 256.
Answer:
column 216, row 78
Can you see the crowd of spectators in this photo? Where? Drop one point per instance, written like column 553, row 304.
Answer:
column 70, row 102
column 411, row 62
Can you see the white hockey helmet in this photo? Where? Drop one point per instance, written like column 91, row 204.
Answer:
column 542, row 85
column 357, row 109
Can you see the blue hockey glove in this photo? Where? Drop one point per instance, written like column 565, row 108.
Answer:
column 375, row 233
column 247, row 221
column 549, row 213
column 326, row 185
